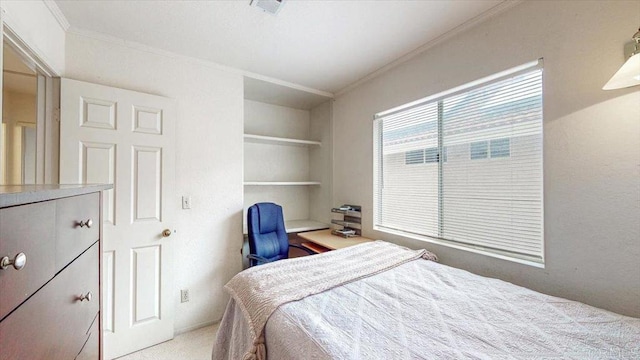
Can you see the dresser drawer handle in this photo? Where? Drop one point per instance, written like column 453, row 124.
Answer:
column 87, row 223
column 86, row 297
column 18, row 262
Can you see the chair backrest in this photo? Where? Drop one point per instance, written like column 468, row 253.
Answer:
column 267, row 234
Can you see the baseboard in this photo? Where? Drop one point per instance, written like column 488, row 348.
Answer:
column 194, row 327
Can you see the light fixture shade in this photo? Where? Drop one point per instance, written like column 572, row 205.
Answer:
column 628, row 75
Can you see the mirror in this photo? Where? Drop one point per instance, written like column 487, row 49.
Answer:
column 19, row 118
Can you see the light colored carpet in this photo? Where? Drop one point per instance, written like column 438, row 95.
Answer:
column 194, row 345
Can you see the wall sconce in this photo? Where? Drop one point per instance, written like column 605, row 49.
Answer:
column 629, row 73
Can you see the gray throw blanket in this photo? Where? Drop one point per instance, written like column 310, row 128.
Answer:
column 260, row 290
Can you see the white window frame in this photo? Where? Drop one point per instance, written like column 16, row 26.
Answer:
column 378, row 161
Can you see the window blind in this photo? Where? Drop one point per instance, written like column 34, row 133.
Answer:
column 465, row 166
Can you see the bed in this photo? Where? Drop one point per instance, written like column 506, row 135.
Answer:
column 406, row 308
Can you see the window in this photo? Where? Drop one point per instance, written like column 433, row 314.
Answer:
column 479, row 150
column 414, row 157
column 422, row 156
column 492, row 206
column 431, row 155
column 500, row 148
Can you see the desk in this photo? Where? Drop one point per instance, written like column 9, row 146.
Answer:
column 323, row 241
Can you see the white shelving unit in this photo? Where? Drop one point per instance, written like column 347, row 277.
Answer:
column 295, row 226
column 261, row 139
column 281, row 183
column 287, row 157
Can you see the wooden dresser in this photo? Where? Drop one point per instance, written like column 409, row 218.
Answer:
column 50, row 271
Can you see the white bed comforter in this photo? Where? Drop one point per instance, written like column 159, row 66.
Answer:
column 424, row 310
column 259, row 291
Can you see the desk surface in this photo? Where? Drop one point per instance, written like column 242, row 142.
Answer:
column 333, row 242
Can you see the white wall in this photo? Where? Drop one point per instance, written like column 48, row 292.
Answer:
column 591, row 142
column 208, row 160
column 320, row 159
column 18, row 109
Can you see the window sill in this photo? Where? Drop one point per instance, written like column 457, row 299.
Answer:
column 530, row 261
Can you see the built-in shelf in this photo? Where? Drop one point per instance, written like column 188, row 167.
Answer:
column 280, row 183
column 261, row 139
column 287, row 154
column 296, row 226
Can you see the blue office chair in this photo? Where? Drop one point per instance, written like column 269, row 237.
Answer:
column 268, row 240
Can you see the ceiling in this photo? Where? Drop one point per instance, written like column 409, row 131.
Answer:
column 323, row 45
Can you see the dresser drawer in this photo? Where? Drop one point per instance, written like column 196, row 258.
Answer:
column 74, row 235
column 91, row 348
column 28, row 229
column 53, row 324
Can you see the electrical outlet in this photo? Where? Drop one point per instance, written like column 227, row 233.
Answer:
column 186, row 202
column 184, row 295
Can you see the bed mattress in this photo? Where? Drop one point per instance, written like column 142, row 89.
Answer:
column 425, row 310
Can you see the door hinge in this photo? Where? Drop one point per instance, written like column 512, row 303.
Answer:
column 56, row 114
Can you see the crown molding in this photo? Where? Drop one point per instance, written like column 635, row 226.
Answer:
column 194, row 60
column 57, row 14
column 498, row 9
column 288, row 84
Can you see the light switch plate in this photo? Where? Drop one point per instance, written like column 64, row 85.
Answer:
column 186, row 202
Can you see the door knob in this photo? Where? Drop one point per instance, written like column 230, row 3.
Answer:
column 87, row 223
column 18, row 262
column 166, row 233
column 87, row 297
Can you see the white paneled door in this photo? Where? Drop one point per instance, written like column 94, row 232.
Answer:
column 110, row 135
